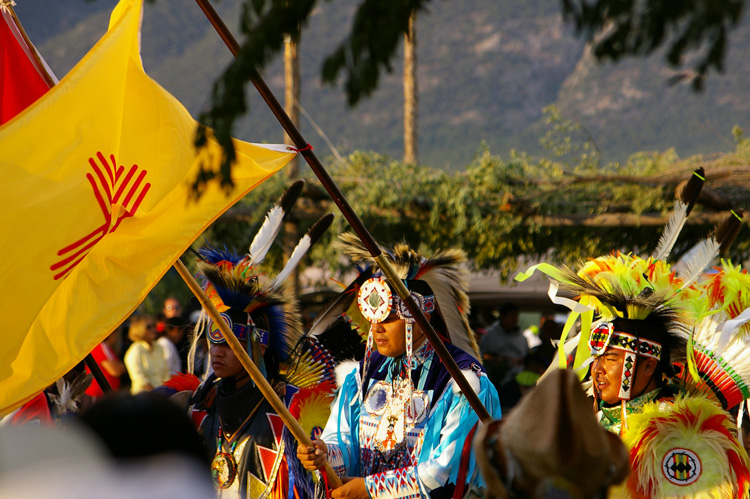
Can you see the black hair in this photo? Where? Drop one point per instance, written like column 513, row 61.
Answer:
column 144, row 425
column 508, row 307
column 654, row 328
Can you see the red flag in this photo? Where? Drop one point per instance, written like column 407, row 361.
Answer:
column 24, row 76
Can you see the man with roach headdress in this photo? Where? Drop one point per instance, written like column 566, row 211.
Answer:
column 662, row 376
column 253, row 454
column 400, row 427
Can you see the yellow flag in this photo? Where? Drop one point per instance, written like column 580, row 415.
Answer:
column 95, row 181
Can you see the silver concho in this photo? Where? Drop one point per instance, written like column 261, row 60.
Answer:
column 417, row 412
column 377, row 398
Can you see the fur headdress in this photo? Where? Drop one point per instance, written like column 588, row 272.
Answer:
column 441, row 274
column 438, row 283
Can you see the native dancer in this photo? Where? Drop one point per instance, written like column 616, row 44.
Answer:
column 665, row 365
column 241, row 430
column 400, row 424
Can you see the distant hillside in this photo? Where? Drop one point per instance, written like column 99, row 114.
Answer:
column 487, row 68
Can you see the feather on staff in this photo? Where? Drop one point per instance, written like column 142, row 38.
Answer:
column 683, row 206
column 267, row 233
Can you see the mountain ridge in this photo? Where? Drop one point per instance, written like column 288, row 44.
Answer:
column 486, row 70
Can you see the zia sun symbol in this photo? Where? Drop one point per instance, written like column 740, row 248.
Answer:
column 118, row 194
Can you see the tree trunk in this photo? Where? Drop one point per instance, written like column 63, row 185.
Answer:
column 291, row 94
column 411, row 151
column 291, row 98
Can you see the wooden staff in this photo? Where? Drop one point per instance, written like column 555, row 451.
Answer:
column 260, row 381
column 351, row 217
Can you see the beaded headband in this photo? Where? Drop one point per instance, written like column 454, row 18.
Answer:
column 240, row 330
column 605, row 336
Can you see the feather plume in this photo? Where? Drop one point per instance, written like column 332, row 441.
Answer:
column 351, row 246
column 695, row 263
column 310, row 365
column 266, row 235
column 271, row 227
column 449, row 283
column 181, row 382
column 311, row 406
column 290, row 195
column 69, row 394
column 720, row 303
column 689, row 194
column 671, row 231
column 308, row 240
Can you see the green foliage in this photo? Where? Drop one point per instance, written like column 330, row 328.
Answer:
column 494, row 209
column 265, row 25
column 376, row 33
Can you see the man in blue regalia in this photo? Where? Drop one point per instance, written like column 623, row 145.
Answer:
column 400, row 426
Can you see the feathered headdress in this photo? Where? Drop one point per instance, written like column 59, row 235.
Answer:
column 621, row 299
column 261, row 311
column 637, row 307
column 439, row 284
column 718, row 360
column 258, row 313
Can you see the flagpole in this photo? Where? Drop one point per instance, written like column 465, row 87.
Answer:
column 260, row 381
column 97, row 373
column 351, row 217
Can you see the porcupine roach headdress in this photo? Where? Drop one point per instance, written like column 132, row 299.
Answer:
column 261, row 311
column 438, row 283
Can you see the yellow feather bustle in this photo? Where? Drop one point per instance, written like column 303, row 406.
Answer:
column 685, row 449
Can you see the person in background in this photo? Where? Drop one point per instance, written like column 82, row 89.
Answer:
column 106, row 355
column 400, row 424
column 172, row 308
column 172, row 336
column 533, row 332
column 504, row 346
column 144, row 359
